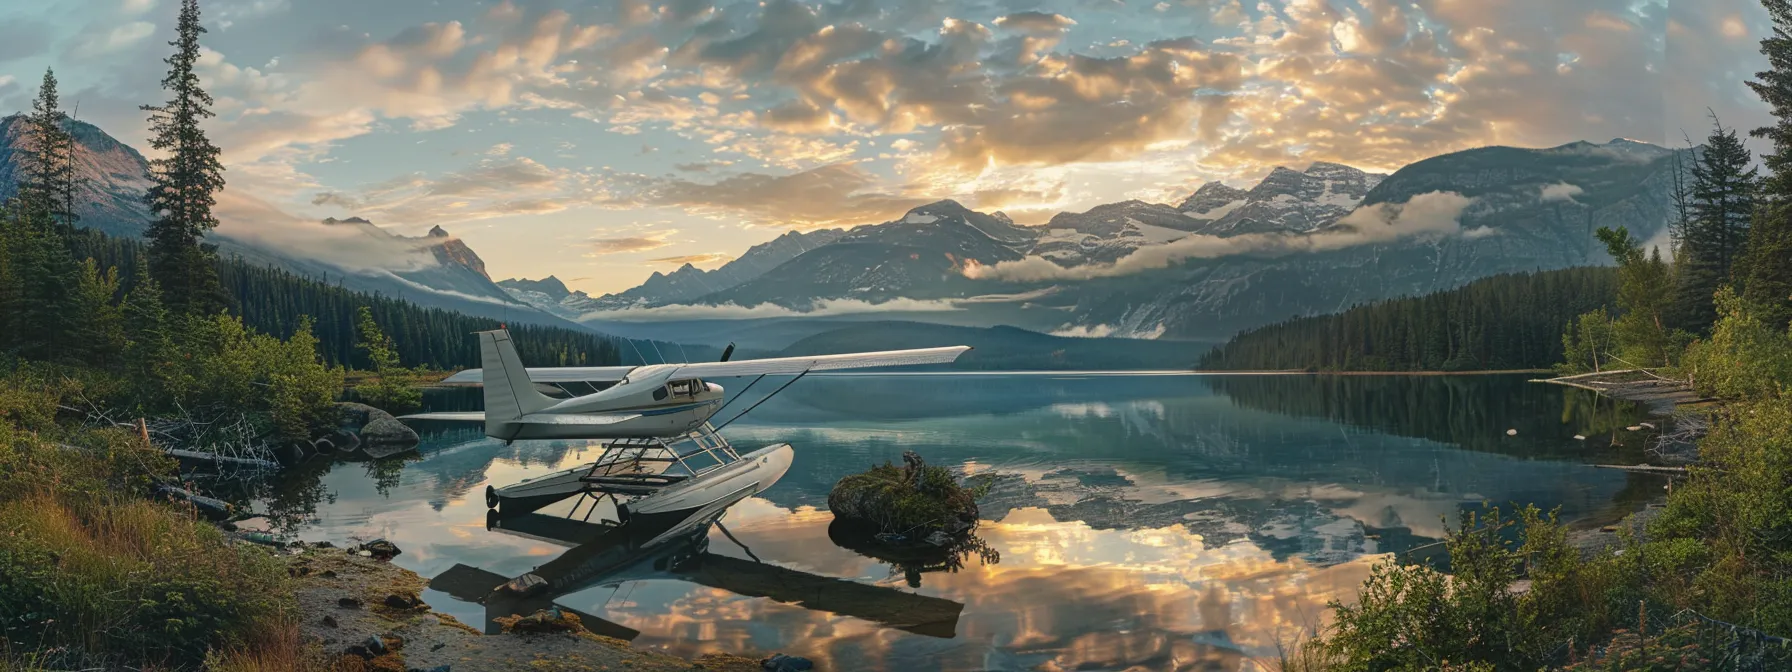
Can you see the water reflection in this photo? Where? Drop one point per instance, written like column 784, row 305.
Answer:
column 1158, row 522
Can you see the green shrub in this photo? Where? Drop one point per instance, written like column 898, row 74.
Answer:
column 910, row 500
column 1744, row 358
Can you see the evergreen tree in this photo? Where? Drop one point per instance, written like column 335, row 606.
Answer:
column 1645, row 293
column 152, row 363
column 1724, row 183
column 185, row 181
column 49, row 157
column 43, row 279
column 393, row 390
column 98, row 335
column 1767, row 277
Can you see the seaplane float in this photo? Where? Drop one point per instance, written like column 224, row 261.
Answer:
column 662, row 458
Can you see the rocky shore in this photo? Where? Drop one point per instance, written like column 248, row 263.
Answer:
column 1665, row 398
column 365, row 613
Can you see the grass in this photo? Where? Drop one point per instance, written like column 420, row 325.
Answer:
column 96, row 574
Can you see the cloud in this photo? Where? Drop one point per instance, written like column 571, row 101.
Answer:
column 829, row 196
column 492, row 187
column 1035, row 22
column 693, row 259
column 244, row 218
column 730, row 311
column 1427, row 215
column 627, row 244
column 22, row 38
column 1561, row 191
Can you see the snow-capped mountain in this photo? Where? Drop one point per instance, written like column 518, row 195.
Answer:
column 1106, row 233
column 1285, row 201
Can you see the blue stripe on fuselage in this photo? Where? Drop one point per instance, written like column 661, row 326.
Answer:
column 677, row 409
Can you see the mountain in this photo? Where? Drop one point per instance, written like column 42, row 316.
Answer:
column 1531, row 209
column 684, row 284
column 1285, row 201
column 922, row 255
column 115, row 176
column 1527, row 210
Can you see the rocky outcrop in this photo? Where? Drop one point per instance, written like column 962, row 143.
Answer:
column 374, row 427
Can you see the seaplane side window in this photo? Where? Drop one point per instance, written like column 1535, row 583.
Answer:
column 684, row 388
column 661, row 393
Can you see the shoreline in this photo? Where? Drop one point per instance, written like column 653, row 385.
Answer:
column 366, row 613
column 1664, row 398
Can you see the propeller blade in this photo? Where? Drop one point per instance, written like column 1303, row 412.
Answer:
column 728, row 352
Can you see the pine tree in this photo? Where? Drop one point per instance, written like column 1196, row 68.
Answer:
column 152, row 362
column 1645, row 293
column 185, row 181
column 49, row 156
column 1724, row 183
column 98, row 331
column 1767, row 278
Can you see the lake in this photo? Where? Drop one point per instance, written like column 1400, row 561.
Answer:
column 1150, row 522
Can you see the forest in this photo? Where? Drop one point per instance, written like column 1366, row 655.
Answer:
column 1511, row 321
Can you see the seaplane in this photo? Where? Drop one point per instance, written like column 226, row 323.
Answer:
column 662, row 457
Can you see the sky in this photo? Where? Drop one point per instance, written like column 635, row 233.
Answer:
column 600, row 141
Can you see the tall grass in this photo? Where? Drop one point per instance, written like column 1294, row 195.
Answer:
column 93, row 573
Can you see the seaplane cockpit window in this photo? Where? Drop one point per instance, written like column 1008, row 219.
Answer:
column 685, row 388
column 661, row 393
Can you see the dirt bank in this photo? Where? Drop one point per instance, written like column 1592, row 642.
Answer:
column 347, row 600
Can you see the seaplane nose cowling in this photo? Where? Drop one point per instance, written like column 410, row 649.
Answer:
column 713, row 387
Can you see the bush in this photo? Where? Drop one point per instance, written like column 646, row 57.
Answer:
column 911, row 500
column 1744, row 359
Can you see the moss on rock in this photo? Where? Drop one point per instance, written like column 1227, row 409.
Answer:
column 914, row 500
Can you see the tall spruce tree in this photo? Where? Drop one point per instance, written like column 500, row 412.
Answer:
column 49, row 156
column 1767, row 273
column 185, row 181
column 1712, row 241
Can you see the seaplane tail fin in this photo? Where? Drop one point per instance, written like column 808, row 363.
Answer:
column 508, row 393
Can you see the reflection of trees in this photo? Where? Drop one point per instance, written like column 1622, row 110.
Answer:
column 911, row 561
column 291, row 501
column 1470, row 411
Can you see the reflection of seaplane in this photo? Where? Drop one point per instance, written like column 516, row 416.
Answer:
column 610, row 555
column 662, row 456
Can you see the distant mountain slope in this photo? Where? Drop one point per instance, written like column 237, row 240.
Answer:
column 114, row 176
column 451, row 275
column 1003, row 348
column 1509, row 321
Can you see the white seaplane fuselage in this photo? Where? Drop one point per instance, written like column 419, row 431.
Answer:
column 653, row 401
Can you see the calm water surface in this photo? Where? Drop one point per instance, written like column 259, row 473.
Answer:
column 1142, row 521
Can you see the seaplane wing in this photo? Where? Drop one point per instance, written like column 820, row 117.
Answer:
column 857, row 360
column 586, row 419
column 556, row 374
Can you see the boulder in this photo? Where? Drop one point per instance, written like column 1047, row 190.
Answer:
column 546, row 620
column 380, row 549
column 779, row 662
column 374, row 426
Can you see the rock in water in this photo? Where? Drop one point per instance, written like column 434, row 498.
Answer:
column 374, row 426
column 779, row 662
column 382, row 549
column 1511, row 432
column 909, row 501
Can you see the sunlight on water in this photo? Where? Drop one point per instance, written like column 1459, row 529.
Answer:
column 1149, row 522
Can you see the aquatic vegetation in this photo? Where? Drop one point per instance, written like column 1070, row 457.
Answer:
column 913, row 500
